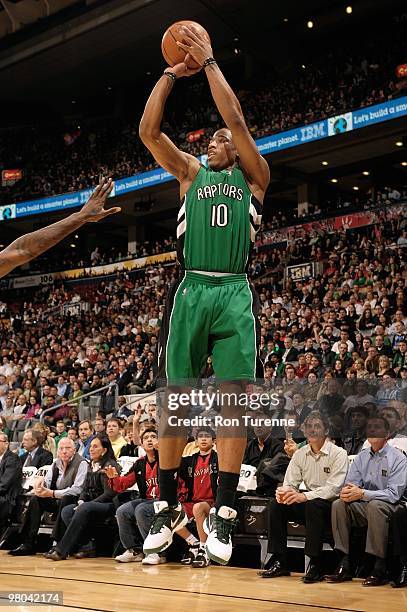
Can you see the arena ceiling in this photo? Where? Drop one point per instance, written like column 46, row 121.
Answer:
column 101, row 43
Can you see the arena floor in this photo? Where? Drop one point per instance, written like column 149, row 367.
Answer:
column 101, row 585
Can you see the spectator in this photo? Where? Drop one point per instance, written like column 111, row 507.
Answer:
column 61, row 432
column 34, row 454
column 114, row 434
column 263, row 445
column 86, row 435
column 375, row 483
column 322, row 467
column 135, row 517
column 60, row 487
column 357, row 417
column 94, row 504
column 198, row 475
column 10, row 480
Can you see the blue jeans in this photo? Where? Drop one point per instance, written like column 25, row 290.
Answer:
column 78, row 523
column 134, row 514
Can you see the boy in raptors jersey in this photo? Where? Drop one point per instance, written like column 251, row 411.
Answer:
column 197, row 486
column 211, row 308
column 138, row 513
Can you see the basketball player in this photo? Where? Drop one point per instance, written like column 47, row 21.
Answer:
column 210, row 307
column 29, row 246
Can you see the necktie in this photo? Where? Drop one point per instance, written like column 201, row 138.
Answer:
column 28, row 461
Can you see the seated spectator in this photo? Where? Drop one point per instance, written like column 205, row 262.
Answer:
column 86, row 435
column 60, row 432
column 34, row 454
column 263, row 445
column 311, row 388
column 47, row 441
column 357, row 418
column 130, row 449
column 136, row 516
column 361, row 371
column 360, row 398
column 327, row 356
column 388, row 389
column 331, row 401
column 397, row 437
column 61, row 487
column 34, row 408
column 99, row 424
column 322, row 467
column 139, row 380
column 114, row 434
column 75, row 394
column 95, row 504
column 290, row 353
column 376, row 481
column 73, row 435
column 198, row 476
column 10, row 480
column 301, row 408
column 290, row 383
column 400, row 356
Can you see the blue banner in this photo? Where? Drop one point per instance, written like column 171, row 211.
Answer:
column 339, row 124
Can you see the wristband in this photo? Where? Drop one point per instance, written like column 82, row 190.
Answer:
column 208, row 61
column 171, row 75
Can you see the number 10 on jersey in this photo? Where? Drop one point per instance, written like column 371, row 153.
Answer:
column 219, row 217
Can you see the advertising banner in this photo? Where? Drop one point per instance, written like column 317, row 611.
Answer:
column 325, row 128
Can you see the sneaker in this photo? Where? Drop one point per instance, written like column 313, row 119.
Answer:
column 190, row 555
column 218, row 526
column 153, row 559
column 201, row 559
column 167, row 520
column 129, row 556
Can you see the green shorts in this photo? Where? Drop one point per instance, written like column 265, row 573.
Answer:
column 209, row 315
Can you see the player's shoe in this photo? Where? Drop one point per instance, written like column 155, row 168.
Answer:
column 201, row 559
column 129, row 556
column 167, row 520
column 190, row 555
column 153, row 559
column 219, row 526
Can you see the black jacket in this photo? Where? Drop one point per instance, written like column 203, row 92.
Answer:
column 42, row 457
column 253, row 455
column 11, row 476
column 187, row 469
column 136, row 475
column 96, row 486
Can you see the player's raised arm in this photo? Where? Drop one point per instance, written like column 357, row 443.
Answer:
column 31, row 245
column 166, row 154
column 229, row 107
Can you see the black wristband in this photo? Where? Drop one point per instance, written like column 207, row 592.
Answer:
column 208, row 61
column 171, row 75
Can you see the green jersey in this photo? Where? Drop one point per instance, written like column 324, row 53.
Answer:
column 217, row 222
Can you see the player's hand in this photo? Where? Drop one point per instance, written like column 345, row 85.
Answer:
column 94, row 209
column 197, row 45
column 183, row 70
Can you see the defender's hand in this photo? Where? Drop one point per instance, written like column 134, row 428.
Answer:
column 94, row 209
column 198, row 46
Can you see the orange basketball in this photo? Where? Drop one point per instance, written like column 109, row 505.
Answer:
column 170, row 50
